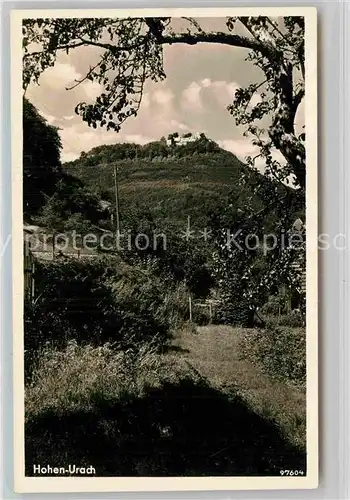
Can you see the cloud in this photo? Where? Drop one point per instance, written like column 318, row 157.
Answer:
column 299, row 121
column 80, row 137
column 239, row 147
column 244, row 147
column 222, row 91
column 49, row 118
column 137, row 138
column 199, row 85
column 145, row 103
column 61, row 75
column 69, row 156
column 163, row 96
column 92, row 90
column 206, row 82
column 191, row 96
column 256, row 98
column 178, row 125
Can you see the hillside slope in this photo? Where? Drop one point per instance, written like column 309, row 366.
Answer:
column 169, row 182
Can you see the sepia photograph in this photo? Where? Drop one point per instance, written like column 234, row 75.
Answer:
column 165, row 192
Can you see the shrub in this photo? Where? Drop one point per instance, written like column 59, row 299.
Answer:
column 276, row 305
column 201, row 315
column 232, row 310
column 101, row 301
column 280, row 351
column 293, row 319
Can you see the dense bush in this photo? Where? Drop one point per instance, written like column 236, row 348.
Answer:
column 72, row 206
column 280, row 351
column 200, row 314
column 293, row 319
column 41, row 159
column 234, row 311
column 101, row 301
column 276, row 305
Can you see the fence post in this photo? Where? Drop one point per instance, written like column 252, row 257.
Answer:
column 32, row 284
column 190, row 306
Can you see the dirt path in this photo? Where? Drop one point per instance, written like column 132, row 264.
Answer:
column 214, row 352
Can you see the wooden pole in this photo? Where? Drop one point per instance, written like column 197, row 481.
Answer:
column 190, row 306
column 116, row 191
column 32, row 292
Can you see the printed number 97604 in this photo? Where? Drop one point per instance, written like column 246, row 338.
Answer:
column 291, row 472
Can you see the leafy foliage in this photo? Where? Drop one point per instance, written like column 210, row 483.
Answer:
column 294, row 319
column 100, row 301
column 129, row 46
column 280, row 351
column 41, row 159
column 71, row 207
column 51, row 197
column 255, row 253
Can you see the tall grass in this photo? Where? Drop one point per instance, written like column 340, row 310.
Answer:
column 79, row 377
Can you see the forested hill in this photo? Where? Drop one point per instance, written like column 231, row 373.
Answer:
column 161, row 184
column 168, row 179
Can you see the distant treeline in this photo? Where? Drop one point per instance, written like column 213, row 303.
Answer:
column 164, row 148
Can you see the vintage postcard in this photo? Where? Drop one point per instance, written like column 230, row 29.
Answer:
column 165, row 249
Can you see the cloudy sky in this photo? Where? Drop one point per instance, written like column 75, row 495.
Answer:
column 201, row 81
